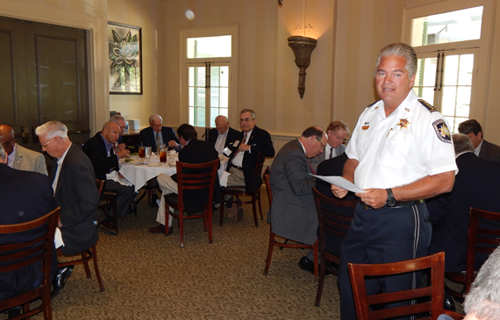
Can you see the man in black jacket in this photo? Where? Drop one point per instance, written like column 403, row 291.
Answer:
column 222, row 136
column 476, row 185
column 156, row 134
column 101, row 151
column 193, row 151
column 252, row 142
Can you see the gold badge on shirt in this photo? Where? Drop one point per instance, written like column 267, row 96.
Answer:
column 403, row 123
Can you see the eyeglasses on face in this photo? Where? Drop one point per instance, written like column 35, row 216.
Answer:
column 245, row 119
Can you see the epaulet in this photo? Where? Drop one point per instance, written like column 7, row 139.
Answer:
column 427, row 105
column 373, row 103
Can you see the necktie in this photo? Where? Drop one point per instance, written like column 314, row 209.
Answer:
column 158, row 142
column 331, row 153
column 244, row 141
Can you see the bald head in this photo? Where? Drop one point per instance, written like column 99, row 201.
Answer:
column 7, row 138
column 222, row 124
column 111, row 132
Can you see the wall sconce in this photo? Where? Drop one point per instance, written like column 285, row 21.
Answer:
column 302, row 48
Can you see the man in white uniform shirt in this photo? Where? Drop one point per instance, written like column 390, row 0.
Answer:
column 400, row 153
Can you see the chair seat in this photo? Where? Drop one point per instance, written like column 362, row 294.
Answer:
column 172, row 199
column 239, row 189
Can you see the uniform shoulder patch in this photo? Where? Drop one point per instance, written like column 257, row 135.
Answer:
column 373, row 103
column 442, row 130
column 427, row 105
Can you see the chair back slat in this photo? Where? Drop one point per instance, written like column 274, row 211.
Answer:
column 20, row 255
column 434, row 291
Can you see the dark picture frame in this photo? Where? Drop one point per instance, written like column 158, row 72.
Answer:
column 125, row 58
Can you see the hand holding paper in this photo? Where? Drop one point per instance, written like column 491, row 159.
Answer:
column 341, row 182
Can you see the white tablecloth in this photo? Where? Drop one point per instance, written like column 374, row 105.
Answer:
column 139, row 173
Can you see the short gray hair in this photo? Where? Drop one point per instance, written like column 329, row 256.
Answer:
column 3, row 154
column 154, row 117
column 248, row 110
column 52, row 129
column 462, row 143
column 116, row 118
column 402, row 50
column 483, row 299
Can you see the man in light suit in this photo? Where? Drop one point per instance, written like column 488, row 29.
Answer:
column 15, row 208
column 476, row 185
column 156, row 134
column 73, row 182
column 252, row 142
column 293, row 212
column 18, row 156
column 193, row 151
column 222, row 136
column 483, row 148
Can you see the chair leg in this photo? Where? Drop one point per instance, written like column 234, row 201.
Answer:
column 321, row 281
column 269, row 251
column 210, row 235
column 181, row 227
column 85, row 254
column 221, row 211
column 96, row 268
column 315, row 254
column 254, row 209
column 260, row 206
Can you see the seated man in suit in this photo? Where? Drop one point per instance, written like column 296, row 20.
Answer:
column 120, row 121
column 73, row 183
column 155, row 135
column 293, row 212
column 101, row 151
column 245, row 152
column 18, row 156
column 222, row 135
column 193, row 151
column 24, row 196
column 336, row 132
column 482, row 148
column 476, row 185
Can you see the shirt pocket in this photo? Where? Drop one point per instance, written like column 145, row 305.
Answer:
column 396, row 150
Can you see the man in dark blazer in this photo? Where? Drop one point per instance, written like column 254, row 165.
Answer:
column 222, row 136
column 252, row 142
column 476, row 185
column 22, row 202
column 337, row 132
column 193, row 151
column 156, row 134
column 293, row 212
column 482, row 148
column 101, row 152
column 73, row 182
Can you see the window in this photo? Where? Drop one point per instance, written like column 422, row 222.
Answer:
column 208, row 74
column 449, row 38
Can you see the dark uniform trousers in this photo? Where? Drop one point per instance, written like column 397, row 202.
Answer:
column 381, row 236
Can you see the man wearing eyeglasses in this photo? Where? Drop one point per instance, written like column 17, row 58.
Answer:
column 245, row 152
column 293, row 215
column 19, row 157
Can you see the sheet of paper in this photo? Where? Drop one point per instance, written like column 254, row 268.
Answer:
column 341, row 182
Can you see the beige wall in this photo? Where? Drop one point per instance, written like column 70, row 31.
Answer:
column 339, row 81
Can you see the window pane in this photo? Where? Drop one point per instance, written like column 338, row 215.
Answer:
column 448, row 27
column 463, row 101
column 451, row 70
column 209, row 47
column 449, row 101
column 224, row 98
column 466, row 66
column 214, row 97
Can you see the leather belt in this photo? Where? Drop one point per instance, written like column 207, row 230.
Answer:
column 399, row 204
column 239, row 168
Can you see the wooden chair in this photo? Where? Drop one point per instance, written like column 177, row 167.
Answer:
column 427, row 300
column 273, row 237
column 19, row 255
column 91, row 253
column 333, row 223
column 110, row 202
column 193, row 176
column 237, row 191
column 479, row 240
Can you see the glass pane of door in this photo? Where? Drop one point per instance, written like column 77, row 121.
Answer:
column 197, row 92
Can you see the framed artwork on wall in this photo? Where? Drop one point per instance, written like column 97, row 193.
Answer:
column 125, row 60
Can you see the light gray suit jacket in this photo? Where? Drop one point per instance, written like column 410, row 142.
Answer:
column 293, row 213
column 29, row 160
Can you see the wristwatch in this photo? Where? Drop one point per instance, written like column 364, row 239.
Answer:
column 390, row 202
